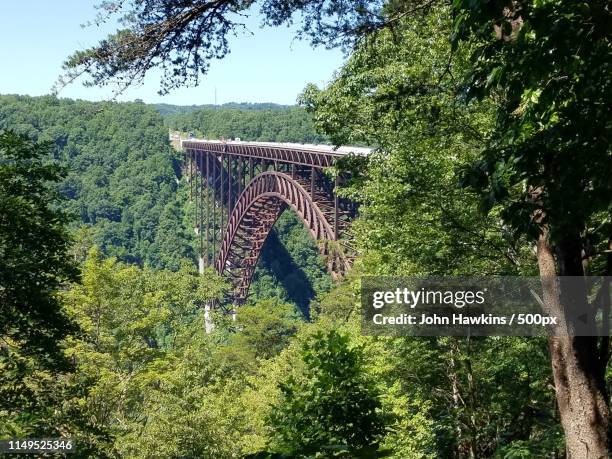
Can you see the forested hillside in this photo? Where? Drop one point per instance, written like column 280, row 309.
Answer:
column 260, row 122
column 169, row 109
column 123, row 179
column 133, row 374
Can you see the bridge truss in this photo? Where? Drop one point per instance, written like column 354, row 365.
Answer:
column 240, row 189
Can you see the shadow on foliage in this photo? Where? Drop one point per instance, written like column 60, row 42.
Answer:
column 277, row 260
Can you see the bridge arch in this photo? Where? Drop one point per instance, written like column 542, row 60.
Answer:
column 256, row 211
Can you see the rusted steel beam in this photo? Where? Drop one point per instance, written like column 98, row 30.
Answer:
column 222, row 203
column 240, row 175
column 196, row 193
column 201, row 194
column 191, row 154
column 336, row 209
column 291, row 155
column 207, row 239
column 312, row 182
column 229, row 185
column 214, row 208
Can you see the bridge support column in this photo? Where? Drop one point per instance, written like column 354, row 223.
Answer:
column 209, row 325
column 336, row 209
column 312, row 182
column 240, row 172
column 190, row 176
column 222, row 199
column 200, row 198
column 214, row 208
column 206, row 198
column 196, row 193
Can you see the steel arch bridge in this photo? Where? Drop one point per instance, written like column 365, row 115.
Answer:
column 240, row 189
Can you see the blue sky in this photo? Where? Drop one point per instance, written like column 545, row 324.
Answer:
column 269, row 66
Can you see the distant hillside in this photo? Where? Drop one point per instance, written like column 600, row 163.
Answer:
column 258, row 122
column 169, row 109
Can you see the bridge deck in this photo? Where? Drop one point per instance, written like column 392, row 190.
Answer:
column 294, row 153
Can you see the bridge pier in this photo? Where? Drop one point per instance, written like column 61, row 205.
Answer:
column 209, row 325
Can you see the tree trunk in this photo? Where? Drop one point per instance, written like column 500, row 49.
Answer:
column 577, row 368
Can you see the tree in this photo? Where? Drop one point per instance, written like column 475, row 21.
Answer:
column 184, row 37
column 545, row 168
column 34, row 265
column 455, row 397
column 398, row 91
column 34, row 245
column 334, row 409
column 265, row 328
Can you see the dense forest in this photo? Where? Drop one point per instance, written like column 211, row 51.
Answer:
column 122, row 175
column 491, row 122
column 168, row 109
column 260, row 122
